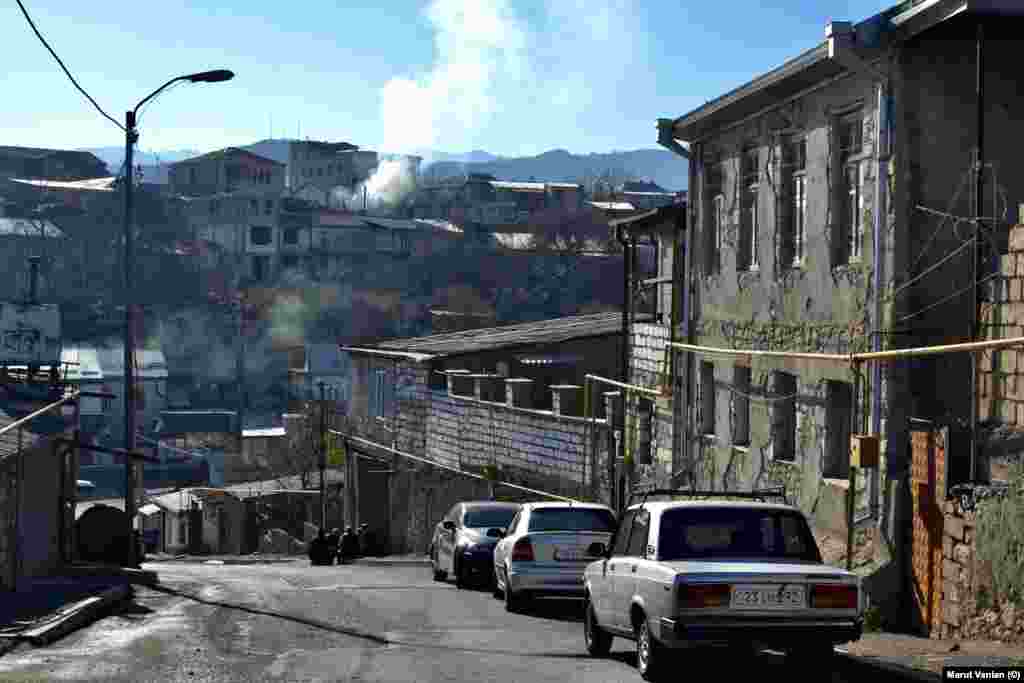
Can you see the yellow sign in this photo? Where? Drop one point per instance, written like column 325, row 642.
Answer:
column 336, row 455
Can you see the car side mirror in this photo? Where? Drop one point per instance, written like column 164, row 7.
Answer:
column 495, row 533
column 448, row 525
column 597, row 549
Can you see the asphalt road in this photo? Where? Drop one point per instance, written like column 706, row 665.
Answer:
column 293, row 622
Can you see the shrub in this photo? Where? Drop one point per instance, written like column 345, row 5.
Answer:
column 1000, row 540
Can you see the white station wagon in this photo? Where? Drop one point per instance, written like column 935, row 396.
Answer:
column 713, row 572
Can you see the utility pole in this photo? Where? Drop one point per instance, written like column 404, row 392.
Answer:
column 323, row 454
column 131, row 136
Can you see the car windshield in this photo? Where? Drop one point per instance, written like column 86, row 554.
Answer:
column 488, row 518
column 729, row 532
column 572, row 519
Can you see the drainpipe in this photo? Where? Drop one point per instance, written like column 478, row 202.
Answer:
column 620, row 235
column 882, row 155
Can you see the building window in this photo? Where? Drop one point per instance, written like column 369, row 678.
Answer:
column 850, row 189
column 260, row 268
column 291, row 236
column 382, row 395
column 793, row 201
column 268, row 207
column 320, row 171
column 192, row 176
column 747, row 256
column 741, row 405
column 254, row 206
column 838, row 407
column 714, row 224
column 707, row 398
column 289, row 260
column 784, row 416
column 259, row 235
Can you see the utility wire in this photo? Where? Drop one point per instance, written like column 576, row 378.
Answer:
column 929, row 269
column 948, row 298
column 68, row 73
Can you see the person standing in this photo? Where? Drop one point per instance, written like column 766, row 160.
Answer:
column 333, row 541
column 349, row 545
column 318, row 552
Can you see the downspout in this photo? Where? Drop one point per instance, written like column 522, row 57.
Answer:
column 680, row 432
column 882, row 155
column 627, row 262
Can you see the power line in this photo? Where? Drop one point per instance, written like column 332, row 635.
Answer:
column 948, row 298
column 68, row 73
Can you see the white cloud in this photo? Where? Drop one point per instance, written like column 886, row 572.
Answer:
column 492, row 65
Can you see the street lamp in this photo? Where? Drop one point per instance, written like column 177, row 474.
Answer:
column 131, row 137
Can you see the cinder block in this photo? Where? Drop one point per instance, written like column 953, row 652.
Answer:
column 947, row 547
column 1017, row 238
column 1015, row 289
column 951, row 613
column 954, row 526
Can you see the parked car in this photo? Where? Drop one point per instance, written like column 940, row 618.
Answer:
column 747, row 574
column 463, row 541
column 545, row 549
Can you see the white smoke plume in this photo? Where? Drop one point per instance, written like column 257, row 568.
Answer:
column 492, row 63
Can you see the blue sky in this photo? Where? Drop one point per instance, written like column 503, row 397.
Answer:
column 513, row 77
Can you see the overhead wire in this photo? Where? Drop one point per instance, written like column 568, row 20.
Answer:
column 39, row 35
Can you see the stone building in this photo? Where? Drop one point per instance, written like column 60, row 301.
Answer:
column 823, row 222
column 505, row 400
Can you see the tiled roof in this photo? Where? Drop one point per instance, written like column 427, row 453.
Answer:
column 491, row 338
column 226, row 152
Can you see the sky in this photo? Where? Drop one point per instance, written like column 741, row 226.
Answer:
column 512, row 77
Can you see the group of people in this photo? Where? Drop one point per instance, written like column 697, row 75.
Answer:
column 344, row 547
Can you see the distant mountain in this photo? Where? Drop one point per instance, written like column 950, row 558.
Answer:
column 114, row 156
column 558, row 165
column 432, row 156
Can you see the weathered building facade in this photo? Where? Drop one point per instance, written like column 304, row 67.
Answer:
column 505, row 401
column 824, row 222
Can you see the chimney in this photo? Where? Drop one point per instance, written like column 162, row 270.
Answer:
column 519, row 392
column 33, row 279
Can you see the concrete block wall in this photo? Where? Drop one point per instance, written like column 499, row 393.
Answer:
column 1001, row 373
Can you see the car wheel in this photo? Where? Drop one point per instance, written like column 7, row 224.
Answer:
column 650, row 655
column 439, row 575
column 496, row 588
column 513, row 601
column 599, row 641
column 460, row 577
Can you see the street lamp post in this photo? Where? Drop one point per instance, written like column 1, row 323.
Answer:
column 131, row 137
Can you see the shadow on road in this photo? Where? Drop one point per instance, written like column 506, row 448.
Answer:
column 555, row 609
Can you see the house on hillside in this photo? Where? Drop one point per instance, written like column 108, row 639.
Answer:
column 821, row 223
column 504, row 399
column 50, row 164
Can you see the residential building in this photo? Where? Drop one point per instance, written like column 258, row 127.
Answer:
column 820, row 223
column 317, row 165
column 316, row 364
column 508, row 398
column 484, row 200
column 226, row 171
column 51, row 164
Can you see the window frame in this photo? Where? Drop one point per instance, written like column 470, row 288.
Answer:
column 784, row 425
column 750, row 174
column 850, row 160
column 259, row 242
column 740, row 405
column 625, row 525
column 707, row 398
column 793, row 181
column 641, row 513
column 838, row 428
column 287, row 234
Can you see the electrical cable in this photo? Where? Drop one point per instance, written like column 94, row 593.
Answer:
column 68, row 73
column 948, row 298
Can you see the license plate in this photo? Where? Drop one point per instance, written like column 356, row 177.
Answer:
column 571, row 555
column 768, row 597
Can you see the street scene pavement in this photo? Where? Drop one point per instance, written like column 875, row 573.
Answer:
column 294, row 622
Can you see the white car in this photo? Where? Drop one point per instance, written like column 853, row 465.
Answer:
column 545, row 549
column 702, row 571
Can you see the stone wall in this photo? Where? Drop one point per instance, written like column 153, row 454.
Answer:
column 1001, row 375
column 969, row 610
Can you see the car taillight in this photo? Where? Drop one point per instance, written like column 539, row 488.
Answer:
column 698, row 596
column 834, row 596
column 522, row 551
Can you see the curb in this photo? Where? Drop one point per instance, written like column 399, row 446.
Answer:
column 76, row 616
column 383, row 562
column 142, row 577
column 907, row 673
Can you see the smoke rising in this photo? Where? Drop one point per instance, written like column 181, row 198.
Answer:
column 492, row 65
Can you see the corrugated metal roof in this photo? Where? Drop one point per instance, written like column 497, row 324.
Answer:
column 91, row 185
column 24, row 227
column 490, row 338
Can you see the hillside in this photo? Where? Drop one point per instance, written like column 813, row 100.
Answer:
column 660, row 166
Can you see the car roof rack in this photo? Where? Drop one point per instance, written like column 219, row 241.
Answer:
column 762, row 495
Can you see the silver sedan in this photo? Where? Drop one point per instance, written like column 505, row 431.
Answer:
column 545, row 549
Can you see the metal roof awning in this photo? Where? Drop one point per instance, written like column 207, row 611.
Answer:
column 149, row 509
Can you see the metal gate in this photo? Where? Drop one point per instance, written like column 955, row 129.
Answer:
column 927, row 490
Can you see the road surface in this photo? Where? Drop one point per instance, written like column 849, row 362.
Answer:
column 293, row 622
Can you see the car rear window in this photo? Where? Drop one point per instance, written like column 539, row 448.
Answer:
column 705, row 533
column 488, row 518
column 572, row 519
